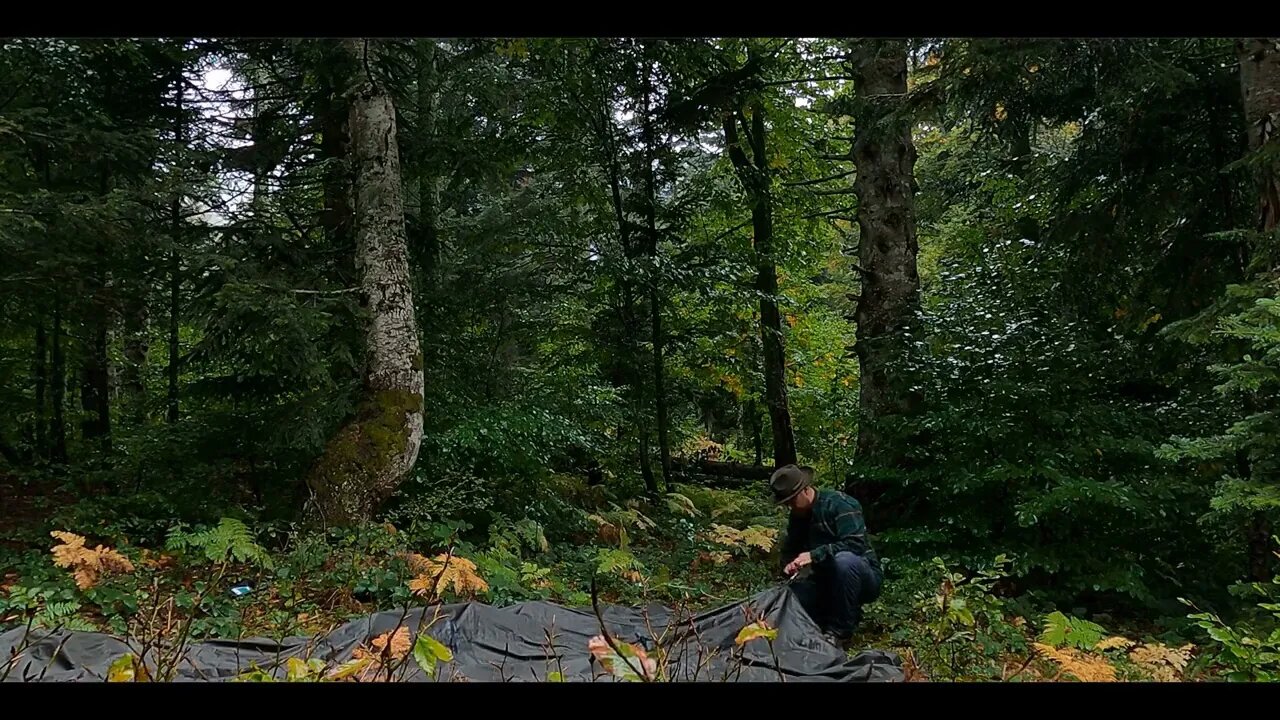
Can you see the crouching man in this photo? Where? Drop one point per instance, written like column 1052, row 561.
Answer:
column 827, row 534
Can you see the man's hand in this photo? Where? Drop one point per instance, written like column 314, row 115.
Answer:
column 794, row 566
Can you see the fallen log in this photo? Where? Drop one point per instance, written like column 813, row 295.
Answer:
column 719, row 469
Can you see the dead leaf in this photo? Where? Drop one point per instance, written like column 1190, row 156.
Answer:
column 619, row 667
column 399, row 644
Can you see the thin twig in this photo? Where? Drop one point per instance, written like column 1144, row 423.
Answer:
column 608, row 638
column 16, row 652
column 56, row 652
column 1020, row 670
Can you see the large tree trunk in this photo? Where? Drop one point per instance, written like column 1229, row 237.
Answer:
column 890, row 294
column 1260, row 88
column 58, row 376
column 375, row 450
column 753, row 173
column 655, row 290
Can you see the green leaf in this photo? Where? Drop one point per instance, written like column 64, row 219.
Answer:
column 351, row 668
column 296, row 670
column 126, row 668
column 1222, row 635
column 427, row 651
column 755, row 630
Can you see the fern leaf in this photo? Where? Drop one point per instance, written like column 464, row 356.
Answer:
column 1083, row 667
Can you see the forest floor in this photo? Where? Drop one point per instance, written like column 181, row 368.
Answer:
column 697, row 548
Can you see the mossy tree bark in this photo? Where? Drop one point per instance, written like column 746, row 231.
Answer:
column 375, row 450
column 890, row 295
column 1260, row 90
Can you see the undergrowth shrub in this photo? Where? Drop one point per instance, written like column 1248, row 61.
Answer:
column 1248, row 650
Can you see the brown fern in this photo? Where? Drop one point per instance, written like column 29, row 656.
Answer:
column 433, row 575
column 87, row 565
column 1082, row 666
column 1162, row 663
column 1114, row 643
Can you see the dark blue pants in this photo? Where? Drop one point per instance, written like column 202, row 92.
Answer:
column 836, row 591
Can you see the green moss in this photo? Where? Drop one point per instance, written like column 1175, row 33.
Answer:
column 345, row 478
column 417, row 361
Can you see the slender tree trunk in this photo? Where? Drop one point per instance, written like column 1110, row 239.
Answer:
column 595, row 474
column 655, row 273
column 1260, row 89
column 754, row 174
column 58, row 375
column 10, row 454
column 175, row 270
column 334, row 110
column 609, row 154
column 40, row 371
column 94, row 382
column 95, row 378
column 135, row 357
column 757, row 432
column 175, row 356
column 429, row 181
column 368, row 458
column 629, row 324
column 890, row 293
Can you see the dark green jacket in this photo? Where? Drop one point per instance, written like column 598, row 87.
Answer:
column 833, row 525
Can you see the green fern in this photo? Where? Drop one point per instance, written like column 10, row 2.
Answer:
column 616, row 561
column 678, row 503
column 532, row 533
column 229, row 540
column 62, row 615
column 1060, row 630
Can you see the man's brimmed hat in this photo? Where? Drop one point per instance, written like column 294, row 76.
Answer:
column 788, row 480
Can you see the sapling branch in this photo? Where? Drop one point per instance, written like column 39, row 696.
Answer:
column 604, row 631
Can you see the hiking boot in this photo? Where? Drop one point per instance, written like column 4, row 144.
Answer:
column 840, row 640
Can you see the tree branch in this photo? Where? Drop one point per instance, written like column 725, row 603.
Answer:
column 775, row 83
column 819, row 181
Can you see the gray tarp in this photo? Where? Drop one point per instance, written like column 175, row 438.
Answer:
column 494, row 644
